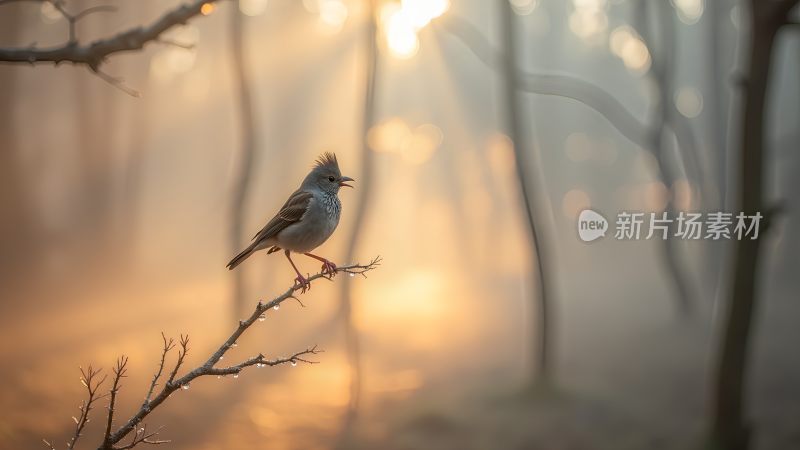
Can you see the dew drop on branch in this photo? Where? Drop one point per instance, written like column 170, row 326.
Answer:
column 276, row 307
column 262, row 317
column 185, row 387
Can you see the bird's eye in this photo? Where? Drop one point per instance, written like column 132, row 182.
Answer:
column 331, row 179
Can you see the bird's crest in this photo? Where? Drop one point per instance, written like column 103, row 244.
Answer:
column 327, row 160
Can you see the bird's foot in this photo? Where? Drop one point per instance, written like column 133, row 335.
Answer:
column 302, row 283
column 328, row 268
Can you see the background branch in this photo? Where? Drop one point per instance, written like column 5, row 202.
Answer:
column 560, row 85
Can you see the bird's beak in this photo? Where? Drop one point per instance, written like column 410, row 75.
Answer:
column 343, row 180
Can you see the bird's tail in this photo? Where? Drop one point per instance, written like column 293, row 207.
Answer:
column 241, row 257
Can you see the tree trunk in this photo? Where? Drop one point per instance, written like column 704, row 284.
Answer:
column 19, row 245
column 663, row 60
column 352, row 343
column 730, row 428
column 249, row 143
column 543, row 337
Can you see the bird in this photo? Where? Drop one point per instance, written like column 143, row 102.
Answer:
column 307, row 219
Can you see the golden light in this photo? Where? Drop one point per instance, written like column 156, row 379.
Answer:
column 311, row 6
column 395, row 136
column 207, row 9
column 172, row 61
column 49, row 13
column 400, row 23
column 589, row 20
column 408, row 301
column 500, row 150
column 421, row 12
column 401, row 35
column 636, row 56
column 333, row 14
column 406, row 380
column 422, row 143
column 389, row 136
column 689, row 11
column 619, row 37
column 253, row 8
column 197, row 86
column 575, row 201
column 689, row 102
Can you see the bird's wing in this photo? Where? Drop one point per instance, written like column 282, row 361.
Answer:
column 291, row 211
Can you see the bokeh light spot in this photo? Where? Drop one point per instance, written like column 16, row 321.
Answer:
column 689, row 102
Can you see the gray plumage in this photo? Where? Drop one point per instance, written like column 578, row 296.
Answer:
column 307, row 219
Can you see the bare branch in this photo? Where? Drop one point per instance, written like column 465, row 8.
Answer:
column 181, row 356
column 95, row 53
column 173, row 43
column 139, row 434
column 560, row 85
column 143, row 437
column 168, row 345
column 174, row 383
column 119, row 373
column 93, row 10
column 116, row 82
column 89, row 379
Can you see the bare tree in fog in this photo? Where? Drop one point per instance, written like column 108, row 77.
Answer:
column 565, row 86
column 134, row 427
column 522, row 148
column 249, row 143
column 730, row 429
column 353, row 346
column 668, row 123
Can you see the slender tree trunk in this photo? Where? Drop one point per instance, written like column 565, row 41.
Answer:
column 543, row 337
column 18, row 245
column 730, row 428
column 371, row 66
column 249, row 143
column 663, row 60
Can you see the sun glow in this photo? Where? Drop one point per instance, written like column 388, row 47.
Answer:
column 401, row 23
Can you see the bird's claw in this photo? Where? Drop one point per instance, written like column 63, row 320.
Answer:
column 302, row 283
column 328, row 268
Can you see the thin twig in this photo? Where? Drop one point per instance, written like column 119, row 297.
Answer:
column 168, row 345
column 92, row 384
column 181, row 356
column 119, row 373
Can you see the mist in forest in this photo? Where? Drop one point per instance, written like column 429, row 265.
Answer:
column 478, row 134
